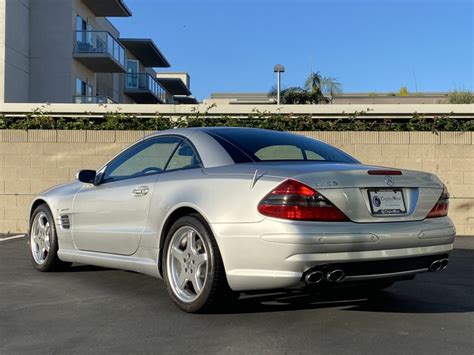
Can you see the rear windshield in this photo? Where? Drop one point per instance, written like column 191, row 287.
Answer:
column 250, row 145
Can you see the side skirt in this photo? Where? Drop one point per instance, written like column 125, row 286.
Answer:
column 143, row 265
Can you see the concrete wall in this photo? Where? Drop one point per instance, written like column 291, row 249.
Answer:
column 31, row 161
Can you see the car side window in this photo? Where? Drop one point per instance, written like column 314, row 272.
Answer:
column 184, row 157
column 148, row 157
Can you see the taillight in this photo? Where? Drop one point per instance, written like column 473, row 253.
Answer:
column 441, row 207
column 297, row 201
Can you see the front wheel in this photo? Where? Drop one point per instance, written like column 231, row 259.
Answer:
column 193, row 269
column 44, row 241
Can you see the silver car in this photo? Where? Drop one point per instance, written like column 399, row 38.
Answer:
column 218, row 211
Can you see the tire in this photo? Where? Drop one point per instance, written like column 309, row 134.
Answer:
column 192, row 267
column 43, row 241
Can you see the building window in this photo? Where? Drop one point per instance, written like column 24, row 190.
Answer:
column 132, row 74
column 81, row 24
column 82, row 88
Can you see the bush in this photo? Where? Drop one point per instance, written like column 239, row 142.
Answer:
column 460, row 97
column 257, row 119
column 403, row 91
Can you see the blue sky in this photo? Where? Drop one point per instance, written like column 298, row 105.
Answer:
column 368, row 45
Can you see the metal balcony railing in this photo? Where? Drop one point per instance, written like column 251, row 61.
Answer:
column 99, row 42
column 83, row 99
column 144, row 82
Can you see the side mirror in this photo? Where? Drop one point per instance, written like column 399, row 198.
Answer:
column 86, row 176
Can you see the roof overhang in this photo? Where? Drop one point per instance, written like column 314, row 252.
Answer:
column 146, row 51
column 174, row 86
column 108, row 8
column 185, row 100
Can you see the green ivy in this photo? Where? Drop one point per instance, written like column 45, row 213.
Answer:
column 257, row 119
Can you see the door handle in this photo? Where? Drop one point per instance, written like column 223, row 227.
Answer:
column 140, row 191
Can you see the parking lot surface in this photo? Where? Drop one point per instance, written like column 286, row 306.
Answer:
column 96, row 310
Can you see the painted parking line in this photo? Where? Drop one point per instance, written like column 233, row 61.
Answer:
column 12, row 237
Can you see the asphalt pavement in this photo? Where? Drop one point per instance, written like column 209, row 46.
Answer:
column 94, row 310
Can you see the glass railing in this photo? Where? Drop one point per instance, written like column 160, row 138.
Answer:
column 144, row 81
column 99, row 42
column 82, row 99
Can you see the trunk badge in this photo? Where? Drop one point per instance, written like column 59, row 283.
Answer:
column 389, row 181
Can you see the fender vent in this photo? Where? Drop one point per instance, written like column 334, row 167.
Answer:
column 64, row 221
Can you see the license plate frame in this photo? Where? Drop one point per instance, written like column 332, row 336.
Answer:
column 391, row 202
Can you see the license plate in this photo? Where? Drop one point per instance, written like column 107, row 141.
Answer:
column 387, row 202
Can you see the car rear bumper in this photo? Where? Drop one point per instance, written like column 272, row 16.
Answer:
column 276, row 253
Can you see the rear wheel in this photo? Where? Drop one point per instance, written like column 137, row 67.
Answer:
column 44, row 241
column 193, row 269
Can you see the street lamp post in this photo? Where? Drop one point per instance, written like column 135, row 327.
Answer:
column 278, row 69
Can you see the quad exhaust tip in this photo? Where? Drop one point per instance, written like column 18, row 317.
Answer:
column 444, row 263
column 439, row 265
column 335, row 275
column 313, row 277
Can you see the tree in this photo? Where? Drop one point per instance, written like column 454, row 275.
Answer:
column 403, row 91
column 331, row 86
column 313, row 82
column 312, row 93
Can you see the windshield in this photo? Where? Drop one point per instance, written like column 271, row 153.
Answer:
column 246, row 145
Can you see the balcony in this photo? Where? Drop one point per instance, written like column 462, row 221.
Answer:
column 108, row 8
column 92, row 100
column 144, row 89
column 99, row 51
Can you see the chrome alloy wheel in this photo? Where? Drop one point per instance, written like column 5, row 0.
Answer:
column 187, row 264
column 40, row 238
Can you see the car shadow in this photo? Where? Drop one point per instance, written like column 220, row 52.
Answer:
column 449, row 291
column 386, row 301
column 87, row 268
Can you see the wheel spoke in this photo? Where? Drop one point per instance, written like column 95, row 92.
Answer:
column 177, row 253
column 200, row 259
column 41, row 223
column 41, row 253
column 47, row 244
column 191, row 241
column 36, row 239
column 182, row 280
column 197, row 283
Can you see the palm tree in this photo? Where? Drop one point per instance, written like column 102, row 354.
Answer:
column 313, row 92
column 331, row 86
column 313, row 82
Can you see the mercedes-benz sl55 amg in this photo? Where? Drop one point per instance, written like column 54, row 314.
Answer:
column 218, row 211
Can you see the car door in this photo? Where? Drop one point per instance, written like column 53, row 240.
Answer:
column 111, row 216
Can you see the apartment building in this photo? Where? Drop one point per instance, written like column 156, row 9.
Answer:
column 64, row 51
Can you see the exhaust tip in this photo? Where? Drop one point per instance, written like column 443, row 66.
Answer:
column 313, row 277
column 444, row 264
column 335, row 276
column 436, row 265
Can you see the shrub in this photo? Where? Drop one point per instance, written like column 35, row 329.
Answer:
column 461, row 97
column 258, row 119
column 403, row 91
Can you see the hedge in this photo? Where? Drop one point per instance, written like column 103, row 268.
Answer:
column 283, row 122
